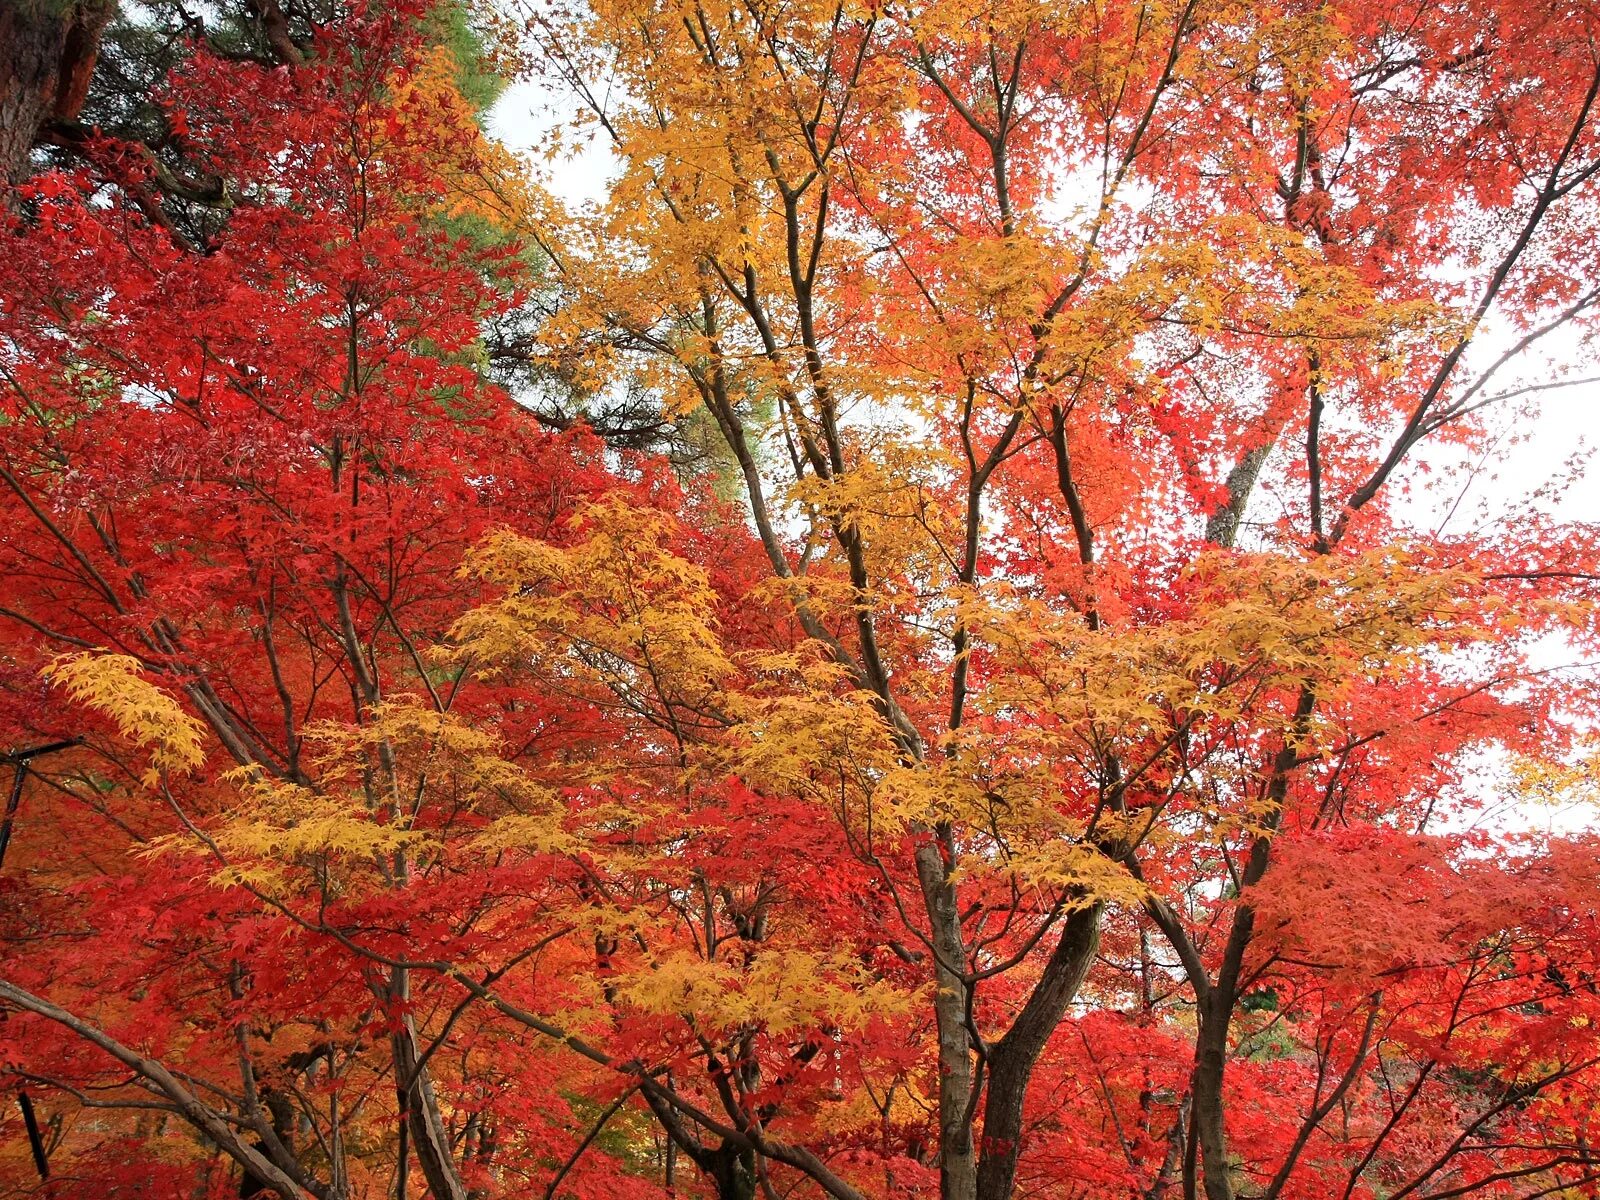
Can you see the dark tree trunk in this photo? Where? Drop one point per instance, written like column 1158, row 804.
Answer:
column 734, row 1173
column 281, row 1112
column 1013, row 1057
column 47, row 55
column 1211, row 1057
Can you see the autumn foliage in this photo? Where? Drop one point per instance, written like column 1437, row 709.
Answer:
column 937, row 642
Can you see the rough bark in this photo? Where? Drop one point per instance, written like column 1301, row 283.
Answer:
column 957, row 1160
column 1207, row 1117
column 47, row 55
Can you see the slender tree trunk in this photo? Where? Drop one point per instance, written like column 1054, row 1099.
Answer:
column 1172, row 1164
column 1013, row 1057
column 430, row 1141
column 1218, row 1002
column 958, row 1178
column 41, row 1161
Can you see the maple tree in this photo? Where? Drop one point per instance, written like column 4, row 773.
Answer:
column 1030, row 747
column 240, row 475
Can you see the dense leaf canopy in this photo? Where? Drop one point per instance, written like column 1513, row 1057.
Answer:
column 930, row 644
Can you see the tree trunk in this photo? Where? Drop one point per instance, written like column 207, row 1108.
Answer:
column 47, row 55
column 1216, row 1003
column 957, row 1162
column 430, row 1141
column 734, row 1173
column 1172, row 1164
column 1013, row 1057
column 1210, row 1063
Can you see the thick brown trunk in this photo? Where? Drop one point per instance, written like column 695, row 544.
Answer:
column 47, row 55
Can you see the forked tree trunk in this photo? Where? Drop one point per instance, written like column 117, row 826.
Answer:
column 1013, row 1058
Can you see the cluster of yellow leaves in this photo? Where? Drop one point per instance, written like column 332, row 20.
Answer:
column 614, row 613
column 1038, row 841
column 370, row 782
column 278, row 828
column 861, row 1110
column 1287, row 287
column 896, row 498
column 707, row 125
column 779, row 992
column 1573, row 780
column 1271, row 621
column 805, row 730
column 1060, row 694
column 145, row 716
column 428, row 749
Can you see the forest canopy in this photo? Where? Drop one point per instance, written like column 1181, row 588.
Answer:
column 950, row 636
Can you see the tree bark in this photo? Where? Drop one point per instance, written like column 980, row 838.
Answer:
column 48, row 50
column 430, row 1141
column 958, row 1178
column 1210, row 1065
column 1012, row 1058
